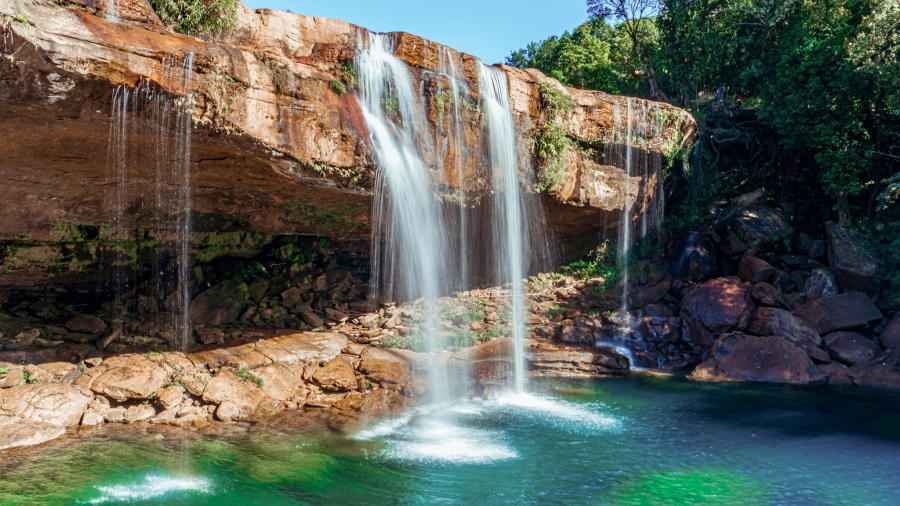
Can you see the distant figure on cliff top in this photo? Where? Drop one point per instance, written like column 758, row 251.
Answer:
column 720, row 93
column 740, row 100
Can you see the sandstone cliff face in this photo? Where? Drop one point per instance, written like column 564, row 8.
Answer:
column 272, row 131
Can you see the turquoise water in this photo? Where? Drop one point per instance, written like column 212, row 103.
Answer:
column 638, row 441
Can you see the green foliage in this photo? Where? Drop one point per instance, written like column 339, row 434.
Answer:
column 244, row 372
column 348, row 74
column 15, row 18
column 3, row 370
column 337, row 87
column 601, row 262
column 198, row 17
column 550, row 143
column 825, row 73
column 441, row 100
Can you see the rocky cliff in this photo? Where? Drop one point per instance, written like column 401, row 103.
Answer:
column 278, row 141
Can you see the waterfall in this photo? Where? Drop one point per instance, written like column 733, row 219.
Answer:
column 625, row 244
column 509, row 226
column 408, row 247
column 449, row 68
column 139, row 149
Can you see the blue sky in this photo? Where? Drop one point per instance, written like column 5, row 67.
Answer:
column 488, row 29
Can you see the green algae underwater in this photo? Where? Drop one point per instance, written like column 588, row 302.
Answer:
column 644, row 440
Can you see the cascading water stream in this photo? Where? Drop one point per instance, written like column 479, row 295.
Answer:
column 508, row 213
column 139, row 149
column 626, row 214
column 448, row 66
column 409, row 247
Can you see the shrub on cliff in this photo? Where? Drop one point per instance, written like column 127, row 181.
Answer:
column 198, row 17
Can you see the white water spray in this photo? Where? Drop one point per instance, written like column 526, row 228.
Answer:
column 508, row 213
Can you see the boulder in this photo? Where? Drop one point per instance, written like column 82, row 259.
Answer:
column 576, row 331
column 226, row 386
column 86, row 324
column 770, row 321
column 820, row 283
column 55, row 404
column 336, row 375
column 739, row 357
column 170, row 396
column 768, row 295
column 836, row 312
column 139, row 413
column 754, row 269
column 16, row 432
column 129, row 377
column 649, row 294
column 386, row 367
column 850, row 347
column 882, row 371
column 758, row 223
column 21, row 340
column 721, row 304
column 855, row 269
column 890, row 336
column 219, row 305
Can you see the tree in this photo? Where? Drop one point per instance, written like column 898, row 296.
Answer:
column 636, row 18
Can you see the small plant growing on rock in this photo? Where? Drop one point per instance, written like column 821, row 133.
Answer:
column 550, row 143
column 244, row 372
column 337, row 87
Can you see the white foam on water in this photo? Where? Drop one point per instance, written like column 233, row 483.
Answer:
column 153, row 486
column 431, row 434
column 576, row 415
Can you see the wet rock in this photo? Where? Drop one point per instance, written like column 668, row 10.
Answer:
column 576, row 332
column 599, row 361
column 21, row 340
column 740, row 357
column 647, row 295
column 721, row 304
column 87, row 324
column 855, row 269
column 756, row 224
column 129, row 377
column 219, row 305
column 890, row 336
column 754, row 269
column 836, row 312
column 850, row 347
column 820, row 283
column 882, row 371
column 831, row 368
column 695, row 257
column 282, row 382
column 769, row 321
column 336, row 375
column 335, row 315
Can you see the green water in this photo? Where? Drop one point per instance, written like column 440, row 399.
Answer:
column 637, row 441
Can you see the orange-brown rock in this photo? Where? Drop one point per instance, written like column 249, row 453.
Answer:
column 129, row 377
column 258, row 148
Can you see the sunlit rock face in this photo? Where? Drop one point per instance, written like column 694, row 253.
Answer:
column 277, row 126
